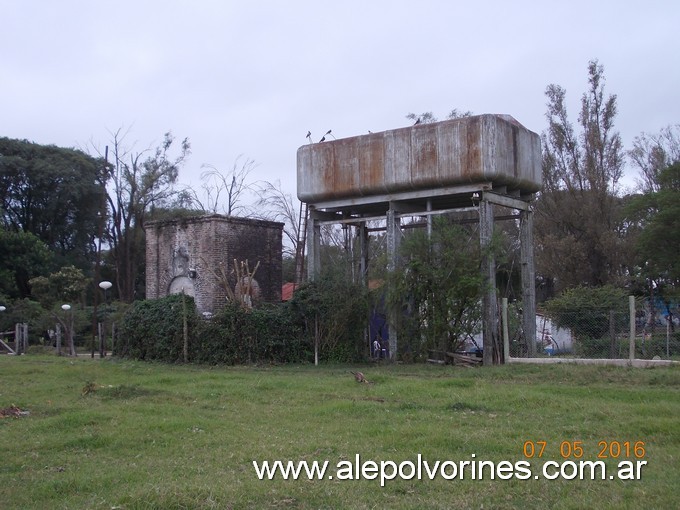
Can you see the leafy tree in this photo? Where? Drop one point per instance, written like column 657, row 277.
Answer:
column 440, row 287
column 585, row 310
column 658, row 242
column 53, row 193
column 24, row 256
column 140, row 183
column 64, row 286
column 579, row 234
column 334, row 312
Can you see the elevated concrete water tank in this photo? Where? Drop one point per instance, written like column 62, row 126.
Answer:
column 492, row 149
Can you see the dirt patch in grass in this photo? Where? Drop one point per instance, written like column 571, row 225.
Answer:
column 120, row 392
column 467, row 407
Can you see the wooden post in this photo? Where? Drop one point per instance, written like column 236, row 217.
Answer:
column 71, row 339
column 393, row 241
column 526, row 236
column 612, row 334
column 316, row 339
column 669, row 318
column 58, row 339
column 631, row 338
column 489, row 304
column 185, row 329
column 506, row 330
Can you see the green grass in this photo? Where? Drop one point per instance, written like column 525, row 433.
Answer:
column 128, row 435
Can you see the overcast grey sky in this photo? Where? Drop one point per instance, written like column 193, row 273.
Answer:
column 252, row 77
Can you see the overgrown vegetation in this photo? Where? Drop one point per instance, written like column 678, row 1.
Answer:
column 153, row 330
column 236, row 335
column 595, row 317
column 439, row 288
column 329, row 313
column 334, row 313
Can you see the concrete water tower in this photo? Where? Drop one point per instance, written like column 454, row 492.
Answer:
column 473, row 163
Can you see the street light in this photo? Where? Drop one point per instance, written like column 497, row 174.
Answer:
column 68, row 326
column 105, row 285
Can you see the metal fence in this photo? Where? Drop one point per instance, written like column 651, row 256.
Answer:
column 632, row 330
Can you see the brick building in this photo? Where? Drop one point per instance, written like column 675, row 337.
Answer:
column 194, row 254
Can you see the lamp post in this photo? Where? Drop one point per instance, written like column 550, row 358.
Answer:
column 69, row 330
column 105, row 285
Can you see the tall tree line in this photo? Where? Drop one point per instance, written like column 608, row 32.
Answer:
column 58, row 206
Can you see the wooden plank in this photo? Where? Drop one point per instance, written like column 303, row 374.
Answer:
column 7, row 347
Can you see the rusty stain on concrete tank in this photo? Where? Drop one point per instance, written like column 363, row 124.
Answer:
column 485, row 148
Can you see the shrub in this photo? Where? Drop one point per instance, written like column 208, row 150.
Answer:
column 237, row 335
column 587, row 311
column 153, row 329
column 333, row 311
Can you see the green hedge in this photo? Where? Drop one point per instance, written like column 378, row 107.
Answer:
column 153, row 330
column 267, row 334
column 331, row 307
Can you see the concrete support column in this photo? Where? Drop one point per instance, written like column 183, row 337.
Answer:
column 362, row 232
column 489, row 303
column 313, row 245
column 393, row 241
column 526, row 226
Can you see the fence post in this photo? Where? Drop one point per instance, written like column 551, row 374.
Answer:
column 58, row 339
column 612, row 335
column 506, row 331
column 631, row 308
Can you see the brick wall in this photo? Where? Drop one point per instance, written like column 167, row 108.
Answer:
column 191, row 254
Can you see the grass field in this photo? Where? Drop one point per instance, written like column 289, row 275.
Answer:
column 116, row 434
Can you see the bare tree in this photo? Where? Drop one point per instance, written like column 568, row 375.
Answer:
column 653, row 153
column 139, row 182
column 428, row 117
column 225, row 192
column 274, row 204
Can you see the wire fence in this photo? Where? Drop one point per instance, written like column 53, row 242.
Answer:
column 632, row 330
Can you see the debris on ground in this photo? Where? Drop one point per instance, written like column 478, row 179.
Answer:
column 13, row 412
